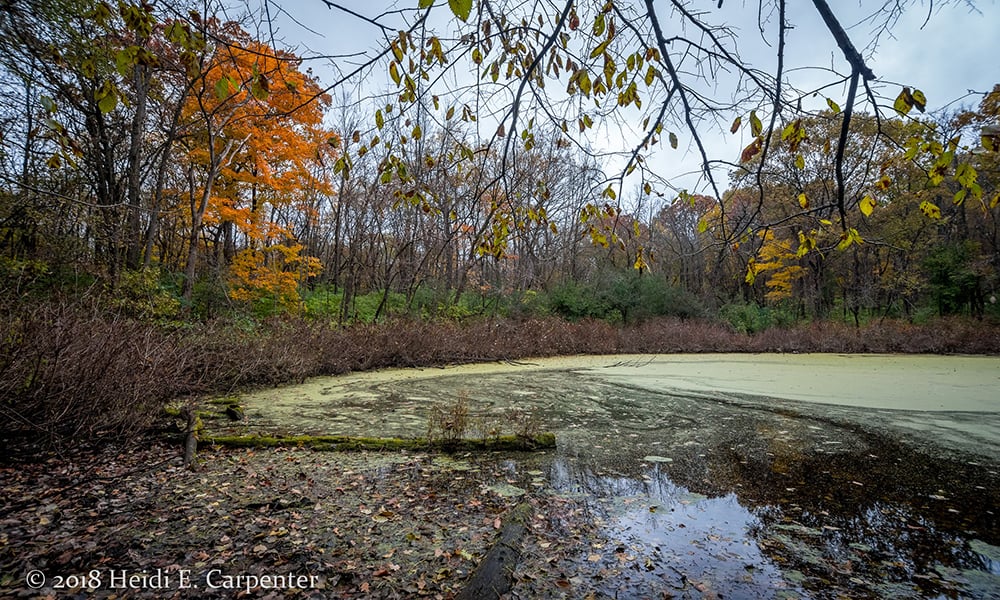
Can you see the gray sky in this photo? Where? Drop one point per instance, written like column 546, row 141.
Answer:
column 953, row 54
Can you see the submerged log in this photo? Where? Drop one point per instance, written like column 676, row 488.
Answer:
column 494, row 576
column 541, row 441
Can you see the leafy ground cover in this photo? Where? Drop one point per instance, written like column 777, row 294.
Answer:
column 355, row 524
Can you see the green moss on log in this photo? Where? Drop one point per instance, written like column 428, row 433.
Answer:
column 225, row 400
column 541, row 441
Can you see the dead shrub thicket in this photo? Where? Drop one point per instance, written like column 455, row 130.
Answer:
column 72, row 371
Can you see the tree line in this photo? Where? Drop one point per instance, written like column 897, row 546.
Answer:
column 182, row 165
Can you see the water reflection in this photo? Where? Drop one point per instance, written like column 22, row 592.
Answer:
column 678, row 538
column 740, row 535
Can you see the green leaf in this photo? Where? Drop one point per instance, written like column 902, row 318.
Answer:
column 599, row 50
column 461, row 8
column 379, row 119
column 867, row 205
column 259, row 88
column 599, row 24
column 833, row 106
column 222, row 88
column 584, row 82
column 966, row 175
column 107, row 97
column 702, row 226
column 755, row 125
column 108, row 103
column 800, row 162
column 425, row 3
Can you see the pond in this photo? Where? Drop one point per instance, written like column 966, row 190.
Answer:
column 733, row 475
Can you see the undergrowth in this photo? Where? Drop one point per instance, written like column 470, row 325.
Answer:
column 71, row 371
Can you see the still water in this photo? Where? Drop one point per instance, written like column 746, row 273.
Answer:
column 738, row 476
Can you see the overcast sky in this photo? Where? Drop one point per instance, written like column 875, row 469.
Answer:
column 953, row 54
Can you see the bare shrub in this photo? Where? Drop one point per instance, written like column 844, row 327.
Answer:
column 448, row 424
column 70, row 371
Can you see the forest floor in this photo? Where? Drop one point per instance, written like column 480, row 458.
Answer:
column 131, row 522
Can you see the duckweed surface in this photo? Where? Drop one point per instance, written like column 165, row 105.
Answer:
column 733, row 476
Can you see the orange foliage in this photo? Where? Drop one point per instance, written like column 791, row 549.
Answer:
column 273, row 273
column 258, row 96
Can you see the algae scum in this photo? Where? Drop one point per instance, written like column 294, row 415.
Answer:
column 693, row 491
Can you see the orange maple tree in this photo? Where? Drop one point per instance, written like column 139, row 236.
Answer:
column 260, row 150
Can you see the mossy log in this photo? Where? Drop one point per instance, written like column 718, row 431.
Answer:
column 540, row 441
column 494, row 576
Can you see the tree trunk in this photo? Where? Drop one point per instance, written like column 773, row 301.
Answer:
column 133, row 238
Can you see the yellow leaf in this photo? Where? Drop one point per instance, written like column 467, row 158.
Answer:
column 851, row 236
column 803, row 200
column 751, row 275
column 800, row 162
column 919, row 100
column 867, row 205
column 805, row 245
column 904, row 102
column 930, row 209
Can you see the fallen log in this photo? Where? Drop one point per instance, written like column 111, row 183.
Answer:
column 494, row 576
column 514, row 443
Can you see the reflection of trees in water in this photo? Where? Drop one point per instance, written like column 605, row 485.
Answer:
column 885, row 545
column 834, row 505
